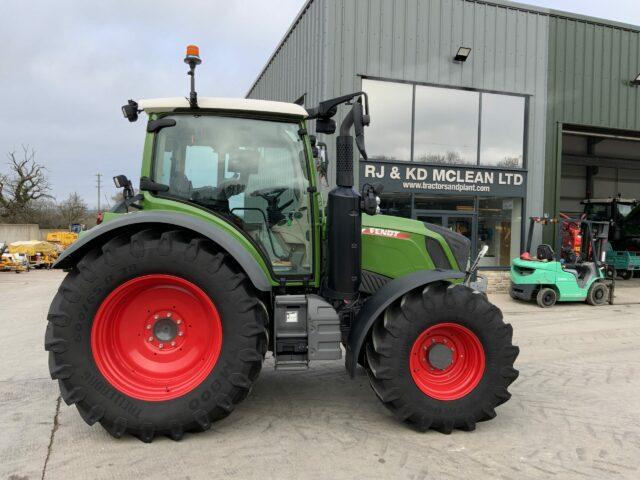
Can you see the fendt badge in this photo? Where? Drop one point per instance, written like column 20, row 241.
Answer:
column 383, row 232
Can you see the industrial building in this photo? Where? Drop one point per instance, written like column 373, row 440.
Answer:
column 483, row 113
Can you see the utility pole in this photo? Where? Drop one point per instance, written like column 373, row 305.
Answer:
column 98, row 184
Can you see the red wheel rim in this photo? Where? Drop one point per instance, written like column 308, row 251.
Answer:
column 156, row 337
column 447, row 361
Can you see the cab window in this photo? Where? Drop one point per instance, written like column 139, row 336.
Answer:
column 252, row 172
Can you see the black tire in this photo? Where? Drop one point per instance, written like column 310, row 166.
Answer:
column 598, row 294
column 153, row 251
column 393, row 335
column 546, row 297
column 626, row 274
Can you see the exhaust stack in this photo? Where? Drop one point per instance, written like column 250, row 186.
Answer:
column 344, row 211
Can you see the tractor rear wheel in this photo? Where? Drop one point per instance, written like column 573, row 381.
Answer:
column 441, row 358
column 626, row 274
column 598, row 294
column 155, row 333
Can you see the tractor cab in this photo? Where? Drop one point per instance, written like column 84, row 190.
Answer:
column 619, row 212
column 611, row 208
column 244, row 161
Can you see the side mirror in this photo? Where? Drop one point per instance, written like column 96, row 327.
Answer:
column 321, row 156
column 360, row 120
column 121, row 181
column 326, row 125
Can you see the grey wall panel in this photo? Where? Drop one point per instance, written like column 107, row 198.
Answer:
column 416, row 40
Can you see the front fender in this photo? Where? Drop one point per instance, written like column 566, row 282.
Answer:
column 379, row 301
column 216, row 234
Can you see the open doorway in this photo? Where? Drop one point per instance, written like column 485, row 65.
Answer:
column 598, row 164
column 600, row 177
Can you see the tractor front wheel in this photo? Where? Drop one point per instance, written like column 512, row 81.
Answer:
column 441, row 358
column 155, row 333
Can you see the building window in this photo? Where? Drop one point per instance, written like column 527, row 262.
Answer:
column 446, row 126
column 389, row 135
column 438, row 125
column 499, row 227
column 502, row 137
column 394, row 204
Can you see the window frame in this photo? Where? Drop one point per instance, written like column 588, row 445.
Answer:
column 305, row 278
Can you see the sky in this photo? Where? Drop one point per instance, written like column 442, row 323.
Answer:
column 66, row 67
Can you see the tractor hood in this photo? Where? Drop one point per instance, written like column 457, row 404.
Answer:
column 395, row 246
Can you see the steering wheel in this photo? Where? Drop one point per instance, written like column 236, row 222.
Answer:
column 271, row 195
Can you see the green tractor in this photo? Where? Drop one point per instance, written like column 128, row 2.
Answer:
column 573, row 271
column 171, row 303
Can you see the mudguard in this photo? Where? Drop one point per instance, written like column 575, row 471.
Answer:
column 251, row 267
column 384, row 297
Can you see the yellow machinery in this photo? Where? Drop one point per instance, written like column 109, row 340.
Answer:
column 38, row 254
column 62, row 238
column 10, row 262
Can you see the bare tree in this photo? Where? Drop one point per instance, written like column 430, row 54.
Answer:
column 73, row 209
column 25, row 183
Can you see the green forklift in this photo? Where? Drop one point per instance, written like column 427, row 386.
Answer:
column 228, row 252
column 562, row 274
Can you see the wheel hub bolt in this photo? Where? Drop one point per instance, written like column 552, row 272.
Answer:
column 149, row 326
column 156, row 316
column 168, row 314
column 173, row 344
column 150, row 339
column 178, row 321
column 161, row 345
column 180, row 334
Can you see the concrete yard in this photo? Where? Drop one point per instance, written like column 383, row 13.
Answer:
column 575, row 411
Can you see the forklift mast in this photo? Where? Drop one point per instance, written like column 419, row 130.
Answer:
column 594, row 235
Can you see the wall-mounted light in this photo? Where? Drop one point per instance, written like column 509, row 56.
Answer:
column 463, row 54
column 636, row 81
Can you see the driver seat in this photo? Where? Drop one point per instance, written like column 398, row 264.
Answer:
column 545, row 252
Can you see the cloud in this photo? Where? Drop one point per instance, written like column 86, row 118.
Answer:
column 66, row 67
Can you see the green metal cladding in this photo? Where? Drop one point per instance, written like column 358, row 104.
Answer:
column 591, row 63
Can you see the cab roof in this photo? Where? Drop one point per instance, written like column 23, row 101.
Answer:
column 162, row 105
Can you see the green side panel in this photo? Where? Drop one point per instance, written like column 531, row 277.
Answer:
column 396, row 246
